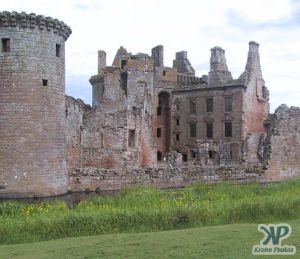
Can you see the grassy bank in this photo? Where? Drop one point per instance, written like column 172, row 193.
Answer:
column 149, row 209
column 225, row 241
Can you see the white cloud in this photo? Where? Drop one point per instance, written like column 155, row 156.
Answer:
column 192, row 25
column 257, row 11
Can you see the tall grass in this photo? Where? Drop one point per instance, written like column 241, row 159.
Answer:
column 148, row 209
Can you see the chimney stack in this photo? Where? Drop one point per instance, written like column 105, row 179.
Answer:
column 101, row 61
column 158, row 56
column 219, row 72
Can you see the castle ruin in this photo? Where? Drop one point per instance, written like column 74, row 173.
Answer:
column 148, row 123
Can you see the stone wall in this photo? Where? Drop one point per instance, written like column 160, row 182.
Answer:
column 163, row 177
column 117, row 132
column 141, row 118
column 256, row 97
column 142, row 112
column 75, row 112
column 282, row 145
column 182, row 64
column 219, row 73
column 32, row 105
column 181, row 111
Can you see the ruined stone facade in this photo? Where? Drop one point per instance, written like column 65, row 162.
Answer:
column 148, row 123
column 143, row 111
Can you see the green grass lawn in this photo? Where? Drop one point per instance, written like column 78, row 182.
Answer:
column 224, row 241
column 146, row 209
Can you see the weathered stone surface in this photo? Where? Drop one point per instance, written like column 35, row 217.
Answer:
column 75, row 110
column 182, row 64
column 121, row 54
column 282, row 146
column 117, row 133
column 32, row 21
column 148, row 124
column 255, row 105
column 32, row 106
column 219, row 73
column 165, row 177
column 159, row 104
column 158, row 56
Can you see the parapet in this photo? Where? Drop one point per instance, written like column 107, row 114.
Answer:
column 32, row 21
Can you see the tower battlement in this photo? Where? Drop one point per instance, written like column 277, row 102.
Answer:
column 33, row 21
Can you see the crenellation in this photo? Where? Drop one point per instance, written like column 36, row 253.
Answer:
column 23, row 20
column 189, row 80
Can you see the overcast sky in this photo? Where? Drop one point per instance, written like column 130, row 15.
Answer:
column 191, row 25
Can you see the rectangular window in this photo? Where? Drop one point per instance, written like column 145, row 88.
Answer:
column 228, row 103
column 164, row 73
column 123, row 82
column 184, row 157
column 45, row 82
column 177, row 137
column 209, row 130
column 102, row 140
column 158, row 132
column 131, row 138
column 192, row 106
column 57, row 50
column 209, row 105
column 192, row 154
column 193, row 130
column 177, row 122
column 264, row 92
column 5, row 45
column 158, row 110
column 228, row 129
column 123, row 64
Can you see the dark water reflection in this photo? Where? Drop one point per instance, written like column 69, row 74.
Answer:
column 70, row 199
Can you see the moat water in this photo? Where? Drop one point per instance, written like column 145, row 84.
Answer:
column 71, row 199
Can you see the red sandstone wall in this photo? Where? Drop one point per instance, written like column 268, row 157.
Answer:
column 32, row 115
column 122, row 105
column 283, row 141
column 217, row 117
column 255, row 101
column 75, row 110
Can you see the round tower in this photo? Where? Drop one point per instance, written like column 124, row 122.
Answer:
column 32, row 105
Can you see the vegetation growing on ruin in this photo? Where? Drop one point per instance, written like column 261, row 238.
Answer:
column 144, row 209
